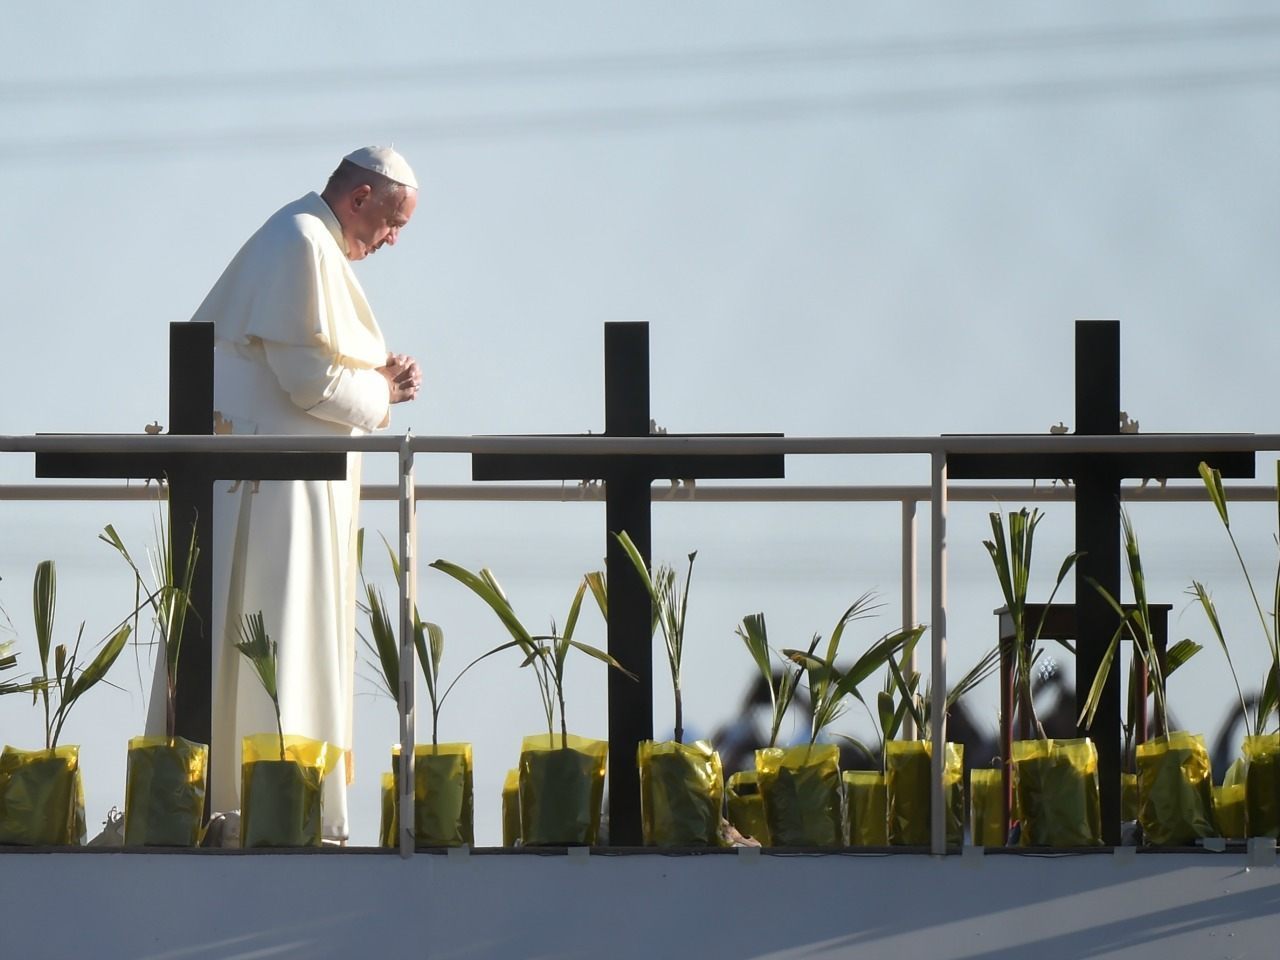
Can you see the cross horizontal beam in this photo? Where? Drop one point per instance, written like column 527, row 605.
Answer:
column 1051, row 466
column 213, row 466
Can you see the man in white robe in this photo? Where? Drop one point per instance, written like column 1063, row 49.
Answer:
column 297, row 351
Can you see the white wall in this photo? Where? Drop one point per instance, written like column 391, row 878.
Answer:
column 335, row 904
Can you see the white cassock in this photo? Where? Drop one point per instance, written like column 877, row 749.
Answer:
column 296, row 347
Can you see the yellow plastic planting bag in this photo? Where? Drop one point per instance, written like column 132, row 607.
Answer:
column 745, row 809
column 803, row 795
column 511, row 809
column 864, row 796
column 561, row 789
column 987, row 825
column 41, row 797
column 164, row 792
column 1128, row 796
column 1175, row 790
column 1262, row 785
column 1228, row 802
column 1055, row 783
column 280, row 797
column 681, row 793
column 908, row 795
column 443, row 798
column 388, row 822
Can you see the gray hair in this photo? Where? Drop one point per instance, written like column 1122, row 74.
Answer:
column 348, row 176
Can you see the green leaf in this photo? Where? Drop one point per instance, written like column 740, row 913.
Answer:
column 1213, row 484
column 98, row 667
column 44, row 603
column 1100, row 681
column 602, row 657
column 1199, row 591
column 485, row 586
column 598, row 584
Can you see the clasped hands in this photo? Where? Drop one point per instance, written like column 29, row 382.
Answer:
column 403, row 375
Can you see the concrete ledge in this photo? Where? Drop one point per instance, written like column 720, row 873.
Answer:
column 329, row 903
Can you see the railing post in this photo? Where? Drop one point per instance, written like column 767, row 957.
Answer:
column 909, row 618
column 938, row 629
column 408, row 602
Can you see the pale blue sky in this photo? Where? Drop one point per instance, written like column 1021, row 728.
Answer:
column 838, row 218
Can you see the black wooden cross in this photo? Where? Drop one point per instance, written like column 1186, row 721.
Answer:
column 190, row 477
column 627, row 507
column 1097, row 478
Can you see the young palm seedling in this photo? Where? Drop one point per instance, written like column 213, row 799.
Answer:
column 908, row 763
column 1055, row 783
column 1175, row 784
column 561, row 776
column 165, row 785
column 801, row 788
column 281, row 775
column 1261, row 749
column 444, row 806
column 681, row 785
column 48, row 780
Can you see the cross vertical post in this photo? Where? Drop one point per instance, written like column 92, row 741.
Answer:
column 627, row 507
column 1097, row 410
column 191, row 412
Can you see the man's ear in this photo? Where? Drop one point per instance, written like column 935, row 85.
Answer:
column 360, row 196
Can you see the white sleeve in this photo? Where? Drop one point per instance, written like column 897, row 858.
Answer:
column 328, row 390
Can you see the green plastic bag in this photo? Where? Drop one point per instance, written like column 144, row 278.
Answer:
column 987, row 826
column 1128, row 796
column 1056, row 786
column 1262, row 785
column 1175, row 790
column 443, row 794
column 41, row 797
column 865, row 809
column 802, row 794
column 561, row 789
column 164, row 792
column 511, row 809
column 388, row 822
column 745, row 809
column 909, row 797
column 280, row 798
column 681, row 793
column 1229, row 802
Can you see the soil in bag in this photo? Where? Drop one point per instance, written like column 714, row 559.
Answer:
column 987, row 826
column 280, row 798
column 1128, row 796
column 443, row 797
column 681, row 794
column 561, row 789
column 909, row 797
column 1175, row 790
column 1056, row 785
column 1262, row 785
column 865, row 805
column 1228, row 802
column 511, row 809
column 745, row 809
column 164, row 792
column 803, row 795
column 388, row 822
column 40, row 794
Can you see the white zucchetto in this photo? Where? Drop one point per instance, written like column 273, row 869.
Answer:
column 385, row 161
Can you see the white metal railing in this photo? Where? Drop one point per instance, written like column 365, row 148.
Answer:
column 938, row 492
